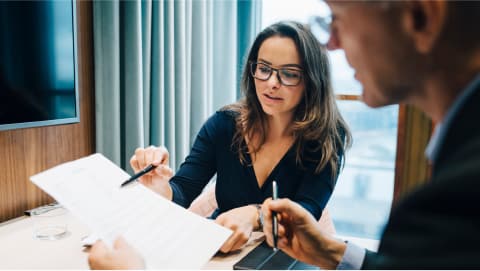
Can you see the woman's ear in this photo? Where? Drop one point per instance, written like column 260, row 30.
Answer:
column 424, row 22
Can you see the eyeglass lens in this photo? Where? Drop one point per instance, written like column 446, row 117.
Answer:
column 320, row 25
column 287, row 76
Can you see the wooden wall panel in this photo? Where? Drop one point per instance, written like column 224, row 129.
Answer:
column 25, row 152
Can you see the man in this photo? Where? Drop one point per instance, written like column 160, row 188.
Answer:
column 427, row 54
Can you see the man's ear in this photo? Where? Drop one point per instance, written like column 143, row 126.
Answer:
column 424, row 22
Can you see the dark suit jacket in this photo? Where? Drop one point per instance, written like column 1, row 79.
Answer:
column 438, row 225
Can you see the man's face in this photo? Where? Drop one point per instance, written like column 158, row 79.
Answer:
column 377, row 49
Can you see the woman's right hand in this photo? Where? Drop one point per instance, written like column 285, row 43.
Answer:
column 157, row 179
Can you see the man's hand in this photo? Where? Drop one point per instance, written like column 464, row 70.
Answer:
column 122, row 256
column 300, row 236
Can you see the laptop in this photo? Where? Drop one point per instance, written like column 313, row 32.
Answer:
column 264, row 258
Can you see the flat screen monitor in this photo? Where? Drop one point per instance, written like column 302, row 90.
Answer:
column 38, row 64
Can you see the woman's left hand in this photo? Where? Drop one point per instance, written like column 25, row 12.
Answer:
column 241, row 221
column 122, row 256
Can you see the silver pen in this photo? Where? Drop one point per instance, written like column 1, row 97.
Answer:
column 274, row 216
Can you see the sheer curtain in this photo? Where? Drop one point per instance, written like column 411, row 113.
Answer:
column 163, row 67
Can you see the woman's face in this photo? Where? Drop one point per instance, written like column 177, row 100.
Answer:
column 276, row 98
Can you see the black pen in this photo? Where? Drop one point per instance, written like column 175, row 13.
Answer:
column 139, row 174
column 274, row 216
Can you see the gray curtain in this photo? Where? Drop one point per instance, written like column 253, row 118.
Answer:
column 163, row 67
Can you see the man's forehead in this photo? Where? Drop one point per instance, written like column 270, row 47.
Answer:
column 341, row 6
column 363, row 10
column 359, row 3
column 342, row 3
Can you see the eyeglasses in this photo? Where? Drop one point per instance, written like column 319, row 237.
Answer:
column 286, row 76
column 320, row 27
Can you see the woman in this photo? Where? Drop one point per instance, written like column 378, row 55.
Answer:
column 287, row 128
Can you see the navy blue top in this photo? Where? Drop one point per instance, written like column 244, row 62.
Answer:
column 236, row 183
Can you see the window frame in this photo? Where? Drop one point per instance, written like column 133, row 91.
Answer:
column 412, row 168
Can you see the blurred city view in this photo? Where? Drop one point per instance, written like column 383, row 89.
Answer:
column 360, row 204
column 362, row 197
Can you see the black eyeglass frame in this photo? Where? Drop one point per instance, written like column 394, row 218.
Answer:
column 253, row 65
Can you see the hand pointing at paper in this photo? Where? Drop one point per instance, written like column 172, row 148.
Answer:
column 157, row 179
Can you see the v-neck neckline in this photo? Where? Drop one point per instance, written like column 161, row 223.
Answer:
column 274, row 171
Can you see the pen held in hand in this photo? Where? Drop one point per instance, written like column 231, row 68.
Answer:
column 138, row 175
column 274, row 216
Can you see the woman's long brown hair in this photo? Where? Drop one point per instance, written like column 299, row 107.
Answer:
column 317, row 124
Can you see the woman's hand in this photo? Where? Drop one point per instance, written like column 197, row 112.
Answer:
column 122, row 256
column 241, row 221
column 157, row 179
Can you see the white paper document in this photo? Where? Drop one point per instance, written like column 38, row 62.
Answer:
column 167, row 235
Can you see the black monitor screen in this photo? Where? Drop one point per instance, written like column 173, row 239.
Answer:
column 37, row 64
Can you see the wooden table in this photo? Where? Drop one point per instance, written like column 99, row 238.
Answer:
column 20, row 250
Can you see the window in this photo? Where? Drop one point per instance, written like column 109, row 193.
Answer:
column 362, row 198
